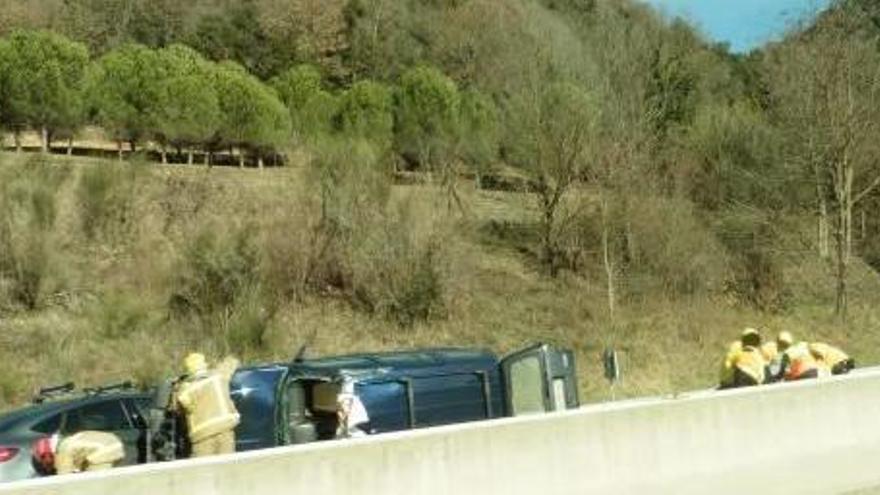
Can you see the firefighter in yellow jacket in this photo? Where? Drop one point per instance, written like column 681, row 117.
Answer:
column 203, row 397
column 88, row 451
column 744, row 364
column 727, row 369
column 831, row 358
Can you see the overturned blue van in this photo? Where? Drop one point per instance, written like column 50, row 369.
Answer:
column 294, row 403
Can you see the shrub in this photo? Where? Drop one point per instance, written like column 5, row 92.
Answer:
column 757, row 272
column 28, row 204
column 216, row 268
column 246, row 324
column 120, row 314
column 397, row 267
column 105, row 195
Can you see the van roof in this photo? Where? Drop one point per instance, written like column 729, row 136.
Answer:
column 424, row 358
column 437, row 359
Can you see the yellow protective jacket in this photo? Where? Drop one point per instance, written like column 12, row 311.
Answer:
column 750, row 361
column 800, row 361
column 88, row 450
column 205, row 400
column 827, row 356
column 727, row 370
column 769, row 350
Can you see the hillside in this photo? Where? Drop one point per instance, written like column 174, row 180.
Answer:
column 106, row 308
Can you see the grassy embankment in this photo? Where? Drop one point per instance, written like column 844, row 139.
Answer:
column 123, row 244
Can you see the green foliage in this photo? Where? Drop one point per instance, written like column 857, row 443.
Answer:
column 366, row 112
column 232, row 31
column 43, row 78
column 427, row 116
column 188, row 110
column 736, row 159
column 480, row 132
column 251, row 114
column 28, row 210
column 123, row 88
column 187, row 107
column 312, row 108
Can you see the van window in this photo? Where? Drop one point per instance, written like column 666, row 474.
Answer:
column 526, row 382
column 386, row 404
column 448, row 399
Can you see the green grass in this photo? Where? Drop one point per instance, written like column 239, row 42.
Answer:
column 107, row 314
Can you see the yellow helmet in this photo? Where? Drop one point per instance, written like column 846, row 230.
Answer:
column 195, row 363
column 785, row 338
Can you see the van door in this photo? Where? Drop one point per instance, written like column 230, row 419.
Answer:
column 539, row 379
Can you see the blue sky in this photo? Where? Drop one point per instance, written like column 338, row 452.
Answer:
column 745, row 24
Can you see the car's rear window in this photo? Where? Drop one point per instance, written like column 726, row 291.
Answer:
column 12, row 419
column 101, row 416
column 49, row 425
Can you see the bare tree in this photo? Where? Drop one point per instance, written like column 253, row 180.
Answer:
column 826, row 91
column 552, row 129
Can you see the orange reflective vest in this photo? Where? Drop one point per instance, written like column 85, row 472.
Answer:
column 800, row 361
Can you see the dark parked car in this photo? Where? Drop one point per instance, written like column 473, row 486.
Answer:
column 295, row 402
column 118, row 409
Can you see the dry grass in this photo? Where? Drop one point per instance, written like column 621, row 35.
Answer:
column 108, row 316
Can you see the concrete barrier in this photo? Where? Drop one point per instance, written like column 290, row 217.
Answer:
column 819, row 437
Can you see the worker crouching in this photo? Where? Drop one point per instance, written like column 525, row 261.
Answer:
column 203, row 397
column 744, row 364
column 831, row 358
column 88, row 451
column 797, row 362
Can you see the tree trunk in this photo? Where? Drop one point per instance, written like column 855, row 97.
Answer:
column 864, row 233
column 608, row 261
column 208, row 159
column 823, row 240
column 260, row 162
column 240, row 158
column 164, row 154
column 823, row 234
column 45, row 141
column 16, row 135
column 547, row 233
column 189, row 156
column 119, row 149
column 133, row 146
column 843, row 234
column 70, row 146
column 841, row 265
